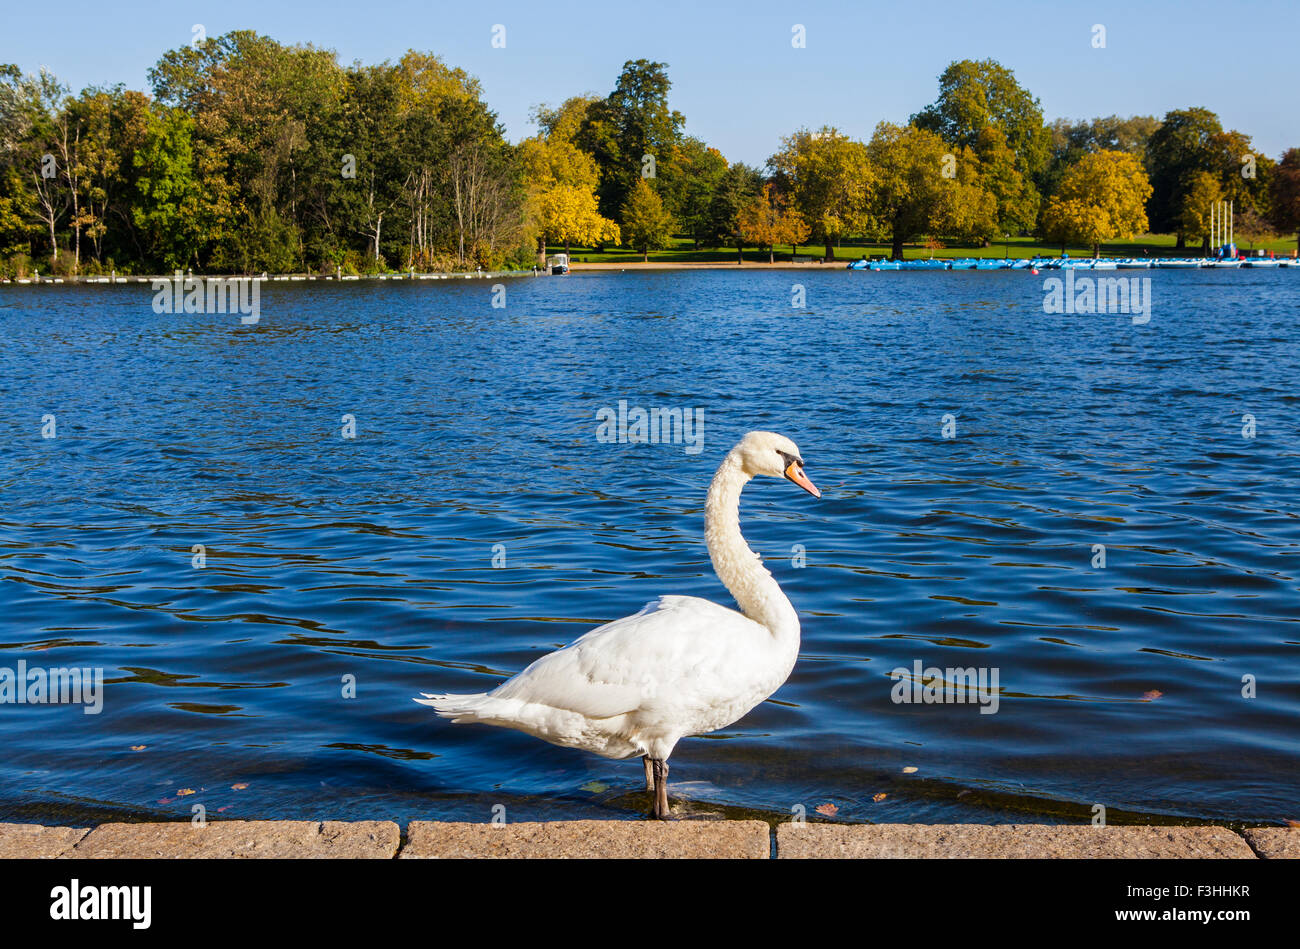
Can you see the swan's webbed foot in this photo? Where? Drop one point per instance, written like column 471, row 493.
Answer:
column 659, row 770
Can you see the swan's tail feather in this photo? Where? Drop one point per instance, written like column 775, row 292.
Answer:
column 459, row 708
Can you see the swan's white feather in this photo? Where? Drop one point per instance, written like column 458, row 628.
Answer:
column 681, row 666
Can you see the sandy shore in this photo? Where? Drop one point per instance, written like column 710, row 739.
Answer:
column 708, row 265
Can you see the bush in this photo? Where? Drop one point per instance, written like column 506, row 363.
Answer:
column 17, row 267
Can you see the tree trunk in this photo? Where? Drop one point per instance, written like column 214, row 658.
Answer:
column 1096, row 250
column 645, row 254
column 896, row 251
column 541, row 251
column 771, row 254
column 830, row 252
column 740, row 253
column 1182, row 241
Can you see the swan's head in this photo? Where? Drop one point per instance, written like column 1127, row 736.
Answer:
column 767, row 453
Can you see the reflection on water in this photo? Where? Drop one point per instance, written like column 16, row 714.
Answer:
column 363, row 567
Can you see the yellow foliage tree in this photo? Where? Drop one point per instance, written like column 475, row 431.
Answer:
column 567, row 214
column 1102, row 197
column 562, row 194
column 1194, row 217
column 767, row 221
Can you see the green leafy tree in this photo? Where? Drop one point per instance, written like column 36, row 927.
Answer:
column 647, row 224
column 633, row 122
column 1186, row 144
column 974, row 95
column 1285, row 203
column 168, row 210
column 688, row 181
column 739, row 185
column 830, row 178
column 922, row 186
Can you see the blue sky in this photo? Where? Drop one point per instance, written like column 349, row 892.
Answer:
column 735, row 75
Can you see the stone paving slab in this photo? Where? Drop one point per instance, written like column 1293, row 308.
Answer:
column 25, row 841
column 221, row 839
column 1000, row 841
column 1275, row 843
column 730, row 839
column 639, row 839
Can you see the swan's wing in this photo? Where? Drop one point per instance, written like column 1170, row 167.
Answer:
column 622, row 666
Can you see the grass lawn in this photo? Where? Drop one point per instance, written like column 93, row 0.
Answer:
column 1156, row 245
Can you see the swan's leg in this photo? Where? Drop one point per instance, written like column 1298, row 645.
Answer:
column 649, row 773
column 661, row 789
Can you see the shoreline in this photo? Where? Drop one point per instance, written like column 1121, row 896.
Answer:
column 605, row 839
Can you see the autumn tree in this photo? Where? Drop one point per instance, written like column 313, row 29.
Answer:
column 1102, row 197
column 561, row 181
column 1071, row 140
column 1195, row 218
column 767, row 220
column 568, row 214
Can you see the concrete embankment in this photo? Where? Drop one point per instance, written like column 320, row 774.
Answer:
column 729, row 839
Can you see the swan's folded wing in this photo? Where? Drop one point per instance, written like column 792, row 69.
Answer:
column 623, row 665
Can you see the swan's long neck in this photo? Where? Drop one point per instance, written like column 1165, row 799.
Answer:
column 739, row 568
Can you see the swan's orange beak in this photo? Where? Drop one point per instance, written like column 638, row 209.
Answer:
column 795, row 474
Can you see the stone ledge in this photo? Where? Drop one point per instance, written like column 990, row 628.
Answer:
column 1275, row 843
column 731, row 839
column 33, row 841
column 224, row 839
column 1002, row 841
column 640, row 839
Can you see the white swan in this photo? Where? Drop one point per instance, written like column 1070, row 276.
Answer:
column 682, row 666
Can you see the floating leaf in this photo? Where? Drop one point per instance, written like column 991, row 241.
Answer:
column 827, row 810
column 166, row 800
column 910, row 770
column 1152, row 695
column 220, row 809
column 184, row 791
column 879, row 797
column 241, row 786
column 139, row 747
column 595, row 787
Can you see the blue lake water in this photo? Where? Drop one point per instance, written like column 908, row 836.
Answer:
column 370, row 560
